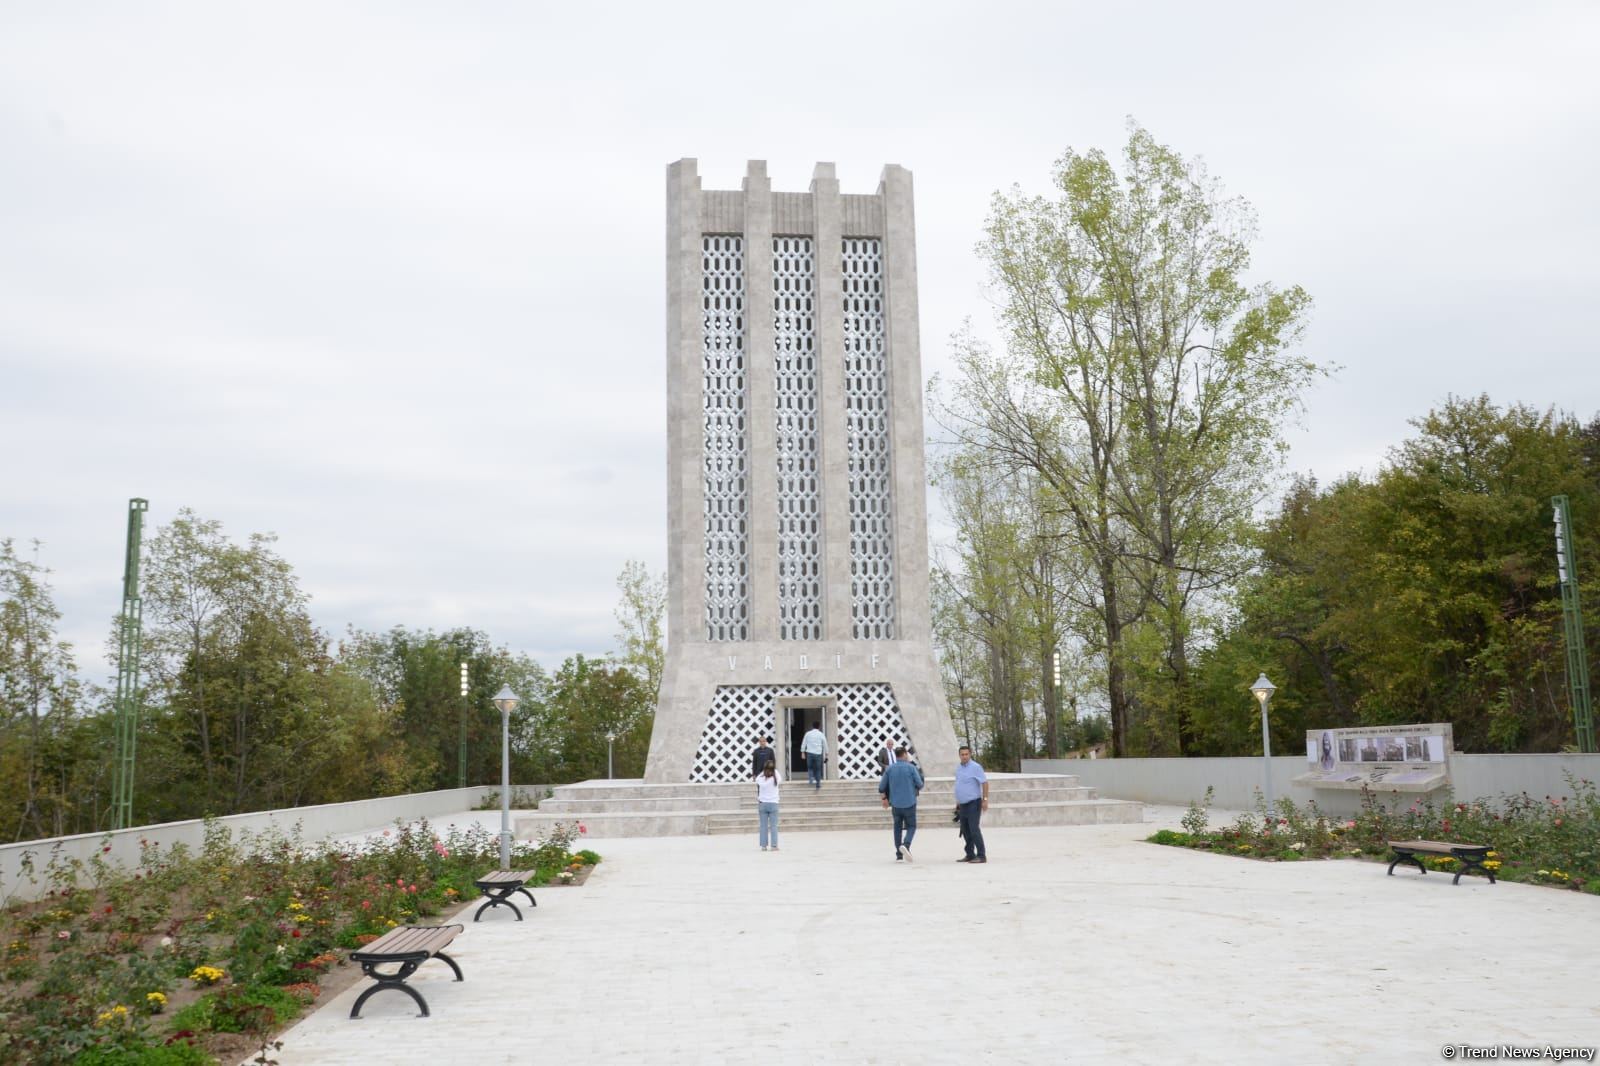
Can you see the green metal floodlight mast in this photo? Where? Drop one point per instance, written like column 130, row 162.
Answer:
column 130, row 632
column 1572, row 617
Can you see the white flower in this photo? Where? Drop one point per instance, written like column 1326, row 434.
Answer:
column 166, row 941
column 1300, row 846
column 280, row 949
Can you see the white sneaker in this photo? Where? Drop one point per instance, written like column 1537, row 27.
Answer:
column 763, row 847
column 908, row 854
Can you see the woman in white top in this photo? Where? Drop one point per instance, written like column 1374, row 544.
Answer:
column 767, row 802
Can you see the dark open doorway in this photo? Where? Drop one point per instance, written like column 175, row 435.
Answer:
column 800, row 720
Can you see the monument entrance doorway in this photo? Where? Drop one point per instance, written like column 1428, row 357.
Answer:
column 801, row 719
column 796, row 716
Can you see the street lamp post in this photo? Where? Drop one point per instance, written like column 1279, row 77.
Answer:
column 507, row 701
column 610, row 737
column 1263, row 690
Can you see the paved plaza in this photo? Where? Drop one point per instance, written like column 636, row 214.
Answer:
column 1074, row 944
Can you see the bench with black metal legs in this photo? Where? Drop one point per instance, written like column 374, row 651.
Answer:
column 406, row 947
column 1471, row 856
column 498, row 886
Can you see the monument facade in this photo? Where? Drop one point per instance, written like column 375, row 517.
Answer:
column 798, row 552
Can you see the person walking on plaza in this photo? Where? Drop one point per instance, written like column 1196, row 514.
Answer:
column 767, row 802
column 899, row 787
column 762, row 755
column 815, row 746
column 972, row 799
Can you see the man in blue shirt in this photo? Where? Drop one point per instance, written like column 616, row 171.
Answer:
column 972, row 799
column 899, row 787
column 815, row 746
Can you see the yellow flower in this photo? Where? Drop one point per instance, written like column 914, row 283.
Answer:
column 207, row 975
column 302, row 917
column 391, row 923
column 114, row 1015
column 1492, row 864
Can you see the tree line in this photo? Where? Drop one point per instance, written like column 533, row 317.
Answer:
column 247, row 705
column 1110, row 471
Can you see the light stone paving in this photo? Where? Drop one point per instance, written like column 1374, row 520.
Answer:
column 1074, row 944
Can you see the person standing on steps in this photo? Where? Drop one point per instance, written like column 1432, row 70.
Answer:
column 972, row 799
column 885, row 755
column 815, row 746
column 899, row 787
column 762, row 754
column 767, row 802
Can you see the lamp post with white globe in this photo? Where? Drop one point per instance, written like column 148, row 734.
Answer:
column 1263, row 690
column 507, row 701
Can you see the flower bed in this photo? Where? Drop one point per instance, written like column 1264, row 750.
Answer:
column 1554, row 841
column 204, row 955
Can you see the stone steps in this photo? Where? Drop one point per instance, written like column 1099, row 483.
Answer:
column 799, row 797
column 930, row 816
column 634, row 808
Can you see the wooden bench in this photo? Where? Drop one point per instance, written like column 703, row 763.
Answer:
column 407, row 947
column 500, row 885
column 1471, row 856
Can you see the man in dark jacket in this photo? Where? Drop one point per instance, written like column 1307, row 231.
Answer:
column 763, row 752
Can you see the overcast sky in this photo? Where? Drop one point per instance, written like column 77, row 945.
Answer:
column 387, row 280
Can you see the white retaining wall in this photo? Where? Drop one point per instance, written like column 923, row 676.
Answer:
column 314, row 823
column 1236, row 780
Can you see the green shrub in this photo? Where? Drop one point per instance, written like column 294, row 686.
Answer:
column 1554, row 841
column 177, row 1054
column 240, row 1009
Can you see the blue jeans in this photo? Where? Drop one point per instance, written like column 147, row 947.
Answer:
column 814, row 770
column 769, row 821
column 971, row 814
column 905, row 818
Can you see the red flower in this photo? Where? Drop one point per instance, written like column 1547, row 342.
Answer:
column 295, row 933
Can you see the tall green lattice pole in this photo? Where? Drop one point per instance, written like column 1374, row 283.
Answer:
column 127, row 702
column 1572, row 617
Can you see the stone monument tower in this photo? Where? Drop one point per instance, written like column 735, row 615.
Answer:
column 798, row 548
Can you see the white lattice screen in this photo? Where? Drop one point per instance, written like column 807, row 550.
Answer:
column 867, row 715
column 727, row 497
column 799, row 520
column 867, row 424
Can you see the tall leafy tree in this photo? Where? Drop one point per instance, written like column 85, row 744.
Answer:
column 38, row 699
column 588, row 698
column 640, row 612
column 417, row 677
column 1425, row 593
column 1134, row 284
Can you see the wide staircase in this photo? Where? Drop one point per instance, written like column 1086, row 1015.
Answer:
column 634, row 808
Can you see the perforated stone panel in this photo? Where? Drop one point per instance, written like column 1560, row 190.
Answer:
column 872, row 604
column 799, row 499
column 867, row 714
column 727, row 494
